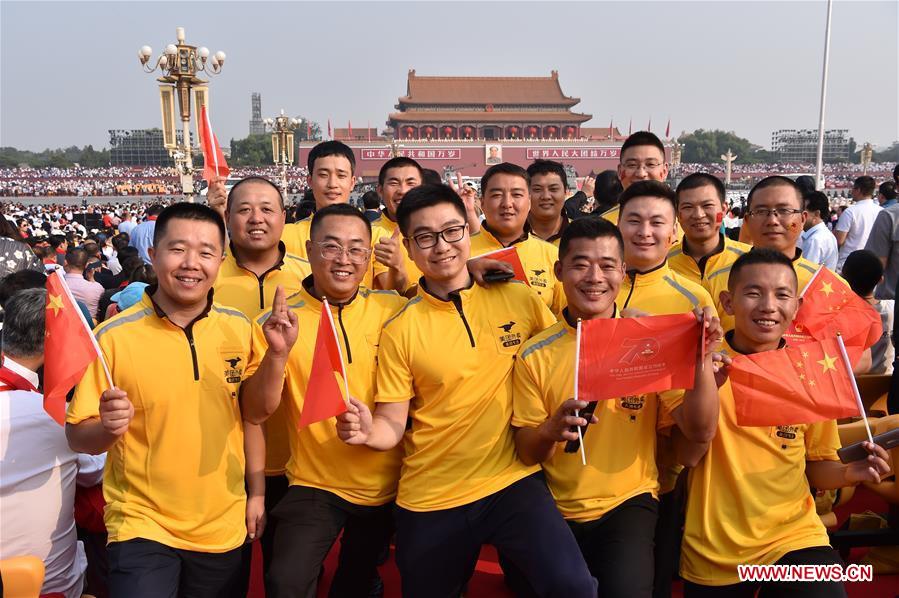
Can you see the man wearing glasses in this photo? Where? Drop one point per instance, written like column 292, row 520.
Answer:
column 642, row 158
column 445, row 365
column 334, row 487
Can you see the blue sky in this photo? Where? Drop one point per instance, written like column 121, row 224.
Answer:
column 69, row 70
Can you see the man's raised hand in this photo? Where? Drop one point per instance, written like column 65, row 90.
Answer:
column 281, row 328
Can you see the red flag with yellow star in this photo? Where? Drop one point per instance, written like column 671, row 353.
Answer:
column 69, row 346
column 829, row 307
column 794, row 385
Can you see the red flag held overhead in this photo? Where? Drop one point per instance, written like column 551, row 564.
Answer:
column 324, row 398
column 69, row 346
column 632, row 356
column 214, row 165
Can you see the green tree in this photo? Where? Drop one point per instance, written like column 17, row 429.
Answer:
column 890, row 154
column 253, row 150
column 706, row 147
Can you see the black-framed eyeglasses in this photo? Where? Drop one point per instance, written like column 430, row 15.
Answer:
column 452, row 234
column 780, row 213
column 331, row 251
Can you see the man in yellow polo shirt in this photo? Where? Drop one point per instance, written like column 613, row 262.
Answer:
column 611, row 504
column 704, row 250
column 445, row 365
column 334, row 487
column 748, row 499
column 642, row 158
column 392, row 268
column 255, row 265
column 547, row 188
column 506, row 205
column 331, row 165
column 647, row 227
column 174, row 483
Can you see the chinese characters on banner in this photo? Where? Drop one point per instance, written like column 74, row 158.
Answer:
column 555, row 153
column 415, row 154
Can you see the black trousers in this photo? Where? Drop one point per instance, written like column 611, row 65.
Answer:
column 438, row 550
column 668, row 536
column 275, row 489
column 146, row 569
column 618, row 547
column 309, row 521
column 821, row 555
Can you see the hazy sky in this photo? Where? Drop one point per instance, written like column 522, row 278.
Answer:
column 69, row 70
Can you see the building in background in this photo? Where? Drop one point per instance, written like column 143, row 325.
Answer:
column 800, row 145
column 257, row 127
column 139, row 147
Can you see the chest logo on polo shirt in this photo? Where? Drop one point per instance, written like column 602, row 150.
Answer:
column 788, row 432
column 639, row 349
column 232, row 371
column 633, row 402
column 538, row 280
column 509, row 338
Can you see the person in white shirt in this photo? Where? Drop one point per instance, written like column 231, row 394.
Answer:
column 855, row 224
column 127, row 224
column 818, row 244
column 38, row 471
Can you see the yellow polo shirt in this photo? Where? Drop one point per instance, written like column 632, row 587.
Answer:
column 241, row 289
column 453, row 360
column 177, row 475
column 661, row 292
column 620, row 448
column 748, row 499
column 538, row 259
column 385, row 227
column 295, row 236
column 318, row 458
column 717, row 282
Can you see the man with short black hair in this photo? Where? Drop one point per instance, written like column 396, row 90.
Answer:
column 83, row 289
column 856, row 221
column 547, row 188
column 641, row 158
column 886, row 194
column 392, row 268
column 506, row 202
column 171, row 423
column 331, row 166
column 444, row 372
column 818, row 243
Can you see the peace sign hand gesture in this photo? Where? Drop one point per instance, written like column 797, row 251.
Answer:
column 281, row 328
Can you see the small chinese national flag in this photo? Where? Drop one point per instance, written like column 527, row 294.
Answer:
column 324, row 398
column 510, row 256
column 632, row 356
column 794, row 385
column 68, row 346
column 829, row 307
column 214, row 165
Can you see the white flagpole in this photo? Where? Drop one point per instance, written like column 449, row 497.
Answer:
column 213, row 144
column 858, row 397
column 346, row 383
column 84, row 323
column 819, row 162
column 577, row 361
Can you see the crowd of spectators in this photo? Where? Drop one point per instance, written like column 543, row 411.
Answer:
column 117, row 180
column 836, row 176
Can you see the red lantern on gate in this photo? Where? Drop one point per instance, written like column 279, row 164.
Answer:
column 532, row 131
column 428, row 131
column 569, row 131
column 409, row 132
column 514, row 131
column 552, row 131
column 447, row 131
column 467, row 132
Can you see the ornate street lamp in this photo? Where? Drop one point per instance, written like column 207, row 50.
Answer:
column 179, row 64
column 282, row 144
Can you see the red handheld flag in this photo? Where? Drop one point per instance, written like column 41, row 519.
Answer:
column 510, row 256
column 631, row 356
column 829, row 307
column 324, row 398
column 793, row 385
column 68, row 346
column 214, row 165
